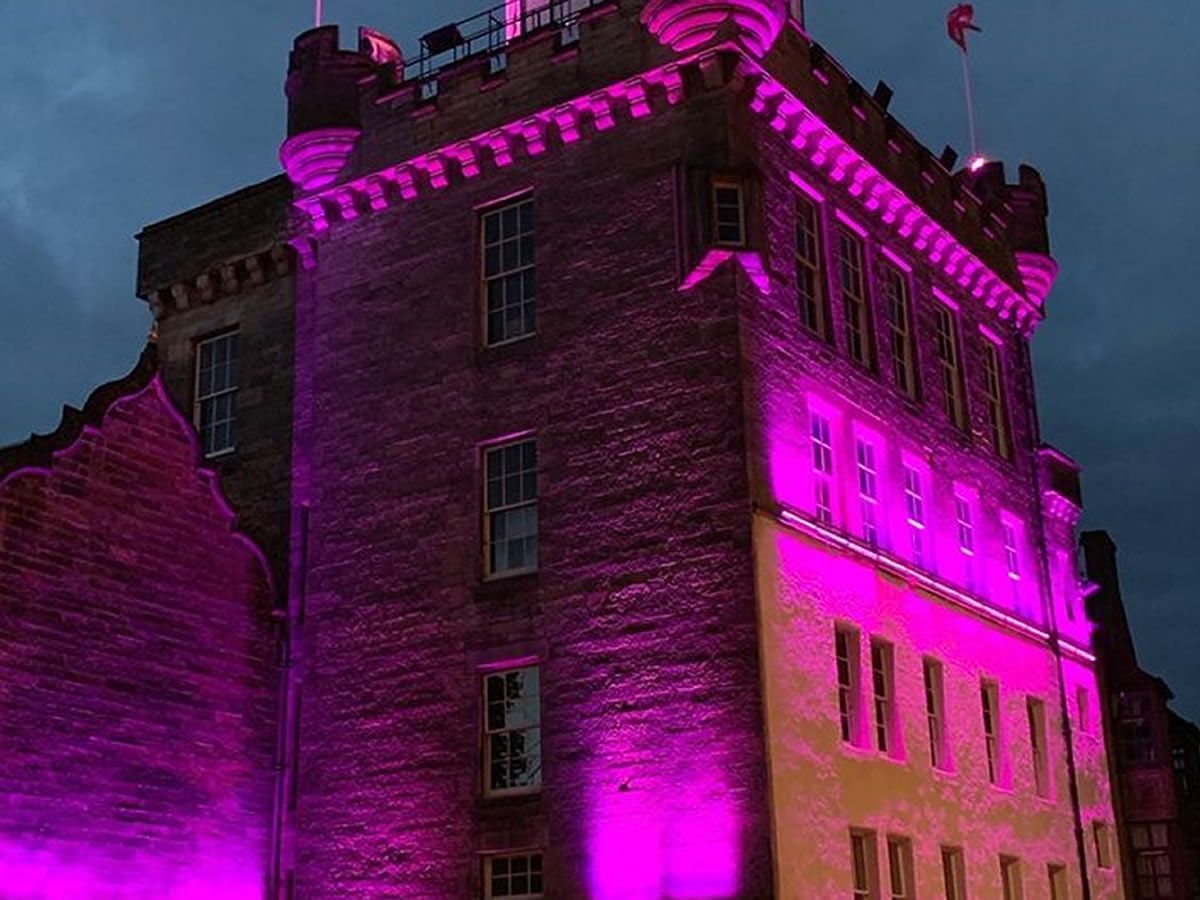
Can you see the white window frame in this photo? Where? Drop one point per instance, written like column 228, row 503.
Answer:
column 949, row 354
column 508, row 510
column 849, row 681
column 934, row 683
column 989, row 695
column 901, row 884
column 522, row 270
column 999, row 430
column 823, row 466
column 206, row 397
column 883, row 697
column 1038, row 749
column 855, row 293
column 529, row 727
column 531, row 858
column 726, row 183
column 864, row 865
column 902, row 347
column 810, row 271
column 954, row 873
column 1011, row 881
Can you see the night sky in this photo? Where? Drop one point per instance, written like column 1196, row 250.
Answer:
column 115, row 114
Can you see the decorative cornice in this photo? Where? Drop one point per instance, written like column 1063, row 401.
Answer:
column 222, row 280
column 530, row 136
column 313, row 159
column 841, row 163
column 38, row 450
column 685, row 25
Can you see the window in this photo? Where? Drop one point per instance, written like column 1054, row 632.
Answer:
column 810, row 284
column 864, row 865
column 1103, row 842
column 216, row 393
column 508, row 272
column 1135, row 735
column 1059, row 889
column 1010, row 878
column 854, row 296
column 900, row 332
column 1083, row 709
column 990, row 702
column 954, row 873
column 935, row 714
column 868, row 490
column 846, row 647
column 510, row 513
column 517, row 876
column 1179, row 762
column 512, row 731
column 950, row 364
column 914, row 510
column 964, row 515
column 729, row 217
column 882, row 678
column 822, row 446
column 1151, row 861
column 1036, row 711
column 900, row 868
column 997, row 407
column 1012, row 534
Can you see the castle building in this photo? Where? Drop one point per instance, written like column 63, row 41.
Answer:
column 1154, row 754
column 637, row 430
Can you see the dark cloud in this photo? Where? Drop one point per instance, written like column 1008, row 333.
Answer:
column 117, row 114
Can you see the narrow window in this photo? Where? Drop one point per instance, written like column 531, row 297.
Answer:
column 1058, row 882
column 853, row 282
column 512, row 731
column 216, row 393
column 1135, row 734
column 729, row 215
column 868, row 490
column 900, row 868
column 1103, row 843
column 990, row 702
column 900, row 331
column 864, row 865
column 1151, row 861
column 1010, row 878
column 954, row 873
column 950, row 364
column 508, row 272
column 964, row 515
column 997, row 407
column 810, row 284
column 822, row 447
column 1011, row 533
column 510, row 507
column 914, row 510
column 515, row 876
column 882, row 678
column 935, row 714
column 846, row 646
column 1083, row 709
column 1036, row 710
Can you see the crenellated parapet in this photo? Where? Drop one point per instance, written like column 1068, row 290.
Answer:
column 1062, row 491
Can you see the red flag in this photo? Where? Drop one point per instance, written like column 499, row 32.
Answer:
column 959, row 21
column 379, row 47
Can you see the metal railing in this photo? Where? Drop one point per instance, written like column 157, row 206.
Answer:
column 488, row 33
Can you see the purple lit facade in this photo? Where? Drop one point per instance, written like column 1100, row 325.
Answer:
column 644, row 448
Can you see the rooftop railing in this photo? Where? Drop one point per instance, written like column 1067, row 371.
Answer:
column 488, row 33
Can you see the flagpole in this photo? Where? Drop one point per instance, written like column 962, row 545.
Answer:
column 967, row 89
column 320, row 11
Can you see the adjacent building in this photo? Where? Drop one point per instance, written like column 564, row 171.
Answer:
column 637, row 425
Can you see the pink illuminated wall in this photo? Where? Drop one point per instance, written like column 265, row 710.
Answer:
column 136, row 682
